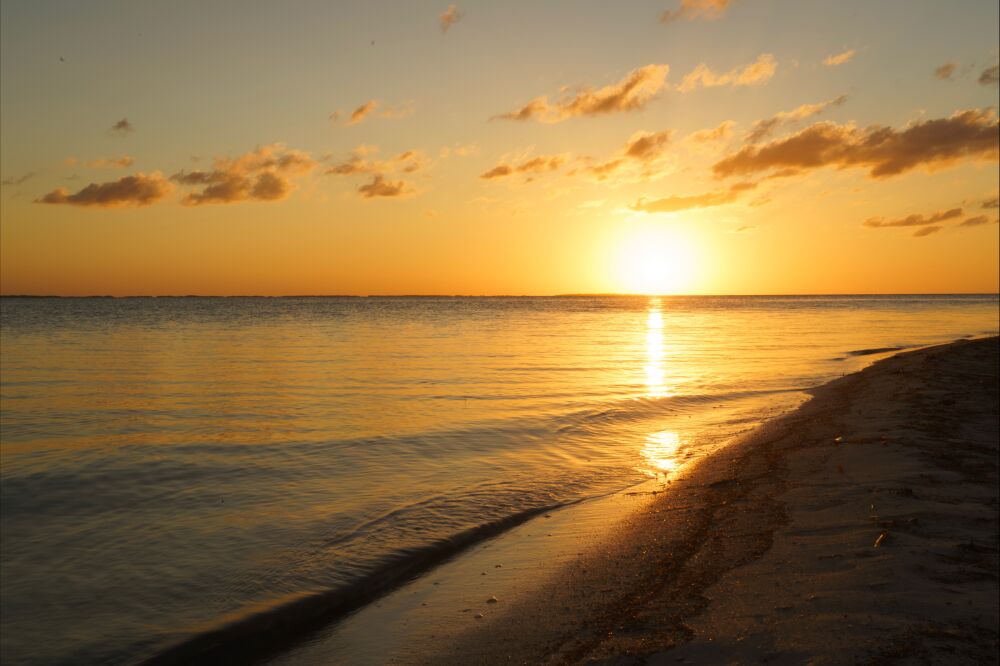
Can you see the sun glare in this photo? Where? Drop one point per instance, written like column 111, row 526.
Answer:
column 656, row 261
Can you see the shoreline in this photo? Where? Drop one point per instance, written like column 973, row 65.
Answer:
column 766, row 551
column 637, row 576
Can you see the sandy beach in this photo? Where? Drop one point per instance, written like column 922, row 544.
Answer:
column 861, row 528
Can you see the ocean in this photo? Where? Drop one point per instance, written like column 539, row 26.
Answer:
column 170, row 466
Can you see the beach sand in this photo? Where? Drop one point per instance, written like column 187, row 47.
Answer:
column 860, row 528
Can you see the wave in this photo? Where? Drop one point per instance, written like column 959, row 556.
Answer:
column 258, row 636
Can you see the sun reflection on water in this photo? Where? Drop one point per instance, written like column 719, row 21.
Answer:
column 656, row 386
column 660, row 453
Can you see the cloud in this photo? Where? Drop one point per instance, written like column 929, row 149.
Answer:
column 137, row 190
column 991, row 203
column 884, row 151
column 990, row 76
column 635, row 91
column 643, row 149
column 756, row 73
column 450, row 17
column 263, row 174
column 380, row 187
column 690, row 10
column 746, row 228
column 763, row 128
column 926, row 231
column 914, row 220
column 540, row 164
column 122, row 127
column 975, row 221
column 945, row 71
column 459, row 150
column 17, row 181
column 408, row 161
column 723, row 131
column 359, row 114
column 674, row 204
column 122, row 162
column 839, row 58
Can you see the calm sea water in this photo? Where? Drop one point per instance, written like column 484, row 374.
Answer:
column 168, row 465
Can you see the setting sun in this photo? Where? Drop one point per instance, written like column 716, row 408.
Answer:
column 656, row 261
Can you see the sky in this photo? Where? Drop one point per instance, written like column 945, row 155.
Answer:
column 668, row 146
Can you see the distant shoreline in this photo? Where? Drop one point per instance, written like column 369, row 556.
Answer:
column 432, row 296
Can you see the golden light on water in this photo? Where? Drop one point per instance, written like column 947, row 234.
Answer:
column 660, row 452
column 656, row 384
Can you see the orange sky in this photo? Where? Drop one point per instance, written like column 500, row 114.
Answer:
column 681, row 146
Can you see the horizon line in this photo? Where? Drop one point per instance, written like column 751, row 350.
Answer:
column 561, row 295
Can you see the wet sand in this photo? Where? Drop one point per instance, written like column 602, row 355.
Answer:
column 861, row 528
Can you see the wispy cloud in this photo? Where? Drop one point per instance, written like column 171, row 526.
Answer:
column 122, row 127
column 915, row 220
column 122, row 162
column 534, row 165
column 689, row 10
column 263, row 174
column 884, row 151
column 763, row 128
column 640, row 155
column 945, row 71
column 991, row 203
column 990, row 76
column 17, row 181
column 359, row 114
column 975, row 221
column 926, row 231
column 675, row 204
column 450, row 17
column 137, row 190
column 721, row 131
column 839, row 58
column 759, row 71
column 381, row 187
column 360, row 161
column 635, row 91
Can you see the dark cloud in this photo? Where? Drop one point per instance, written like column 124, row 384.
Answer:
column 884, row 151
column 926, row 231
column 763, row 128
column 137, row 190
column 914, row 220
column 17, row 181
column 991, row 203
column 990, row 76
column 674, row 204
column 263, row 174
column 450, row 17
column 635, row 91
column 697, row 9
column 122, row 127
column 945, row 71
column 540, row 164
column 975, row 221
column 380, row 187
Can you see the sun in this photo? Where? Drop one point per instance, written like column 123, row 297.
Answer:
column 656, row 261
